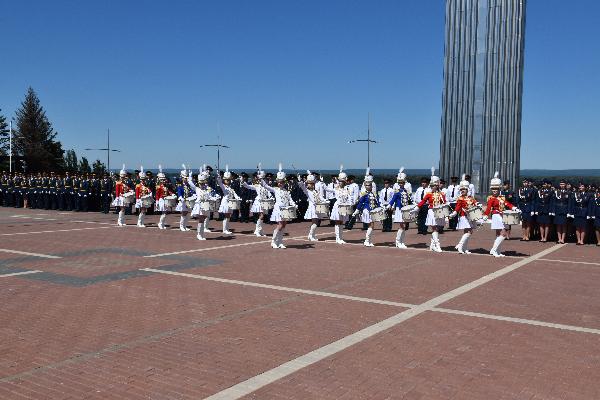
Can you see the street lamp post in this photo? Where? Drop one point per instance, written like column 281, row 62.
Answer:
column 10, row 148
column 219, row 146
column 107, row 149
column 368, row 140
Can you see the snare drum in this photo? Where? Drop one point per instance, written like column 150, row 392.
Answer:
column 377, row 214
column 267, row 204
column 147, row 201
column 510, row 217
column 206, row 205
column 190, row 201
column 129, row 197
column 234, row 204
column 441, row 211
column 474, row 213
column 322, row 208
column 345, row 209
column 288, row 213
column 409, row 213
column 171, row 201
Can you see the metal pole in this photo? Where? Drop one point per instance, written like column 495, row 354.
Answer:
column 108, row 149
column 369, row 141
column 10, row 151
column 218, row 158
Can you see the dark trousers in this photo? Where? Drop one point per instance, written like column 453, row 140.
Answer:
column 105, row 203
column 82, row 203
column 387, row 222
column 453, row 221
column 421, row 218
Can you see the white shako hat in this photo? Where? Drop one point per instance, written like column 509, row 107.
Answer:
column 464, row 183
column 142, row 175
column 123, row 171
column 183, row 173
column 342, row 175
column 401, row 175
column 435, row 180
column 368, row 176
column 226, row 174
column 203, row 175
column 261, row 174
column 496, row 182
column 160, row 175
column 280, row 173
column 310, row 178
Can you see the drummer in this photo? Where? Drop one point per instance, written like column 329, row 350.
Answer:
column 401, row 198
column 282, row 199
column 162, row 191
column 434, row 198
column 120, row 189
column 228, row 194
column 367, row 202
column 314, row 197
column 463, row 203
column 141, row 191
column 262, row 194
column 343, row 197
column 496, row 204
column 204, row 193
column 184, row 191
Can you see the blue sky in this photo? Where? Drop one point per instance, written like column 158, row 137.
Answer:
column 285, row 81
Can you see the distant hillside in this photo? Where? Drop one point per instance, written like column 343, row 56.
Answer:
column 561, row 172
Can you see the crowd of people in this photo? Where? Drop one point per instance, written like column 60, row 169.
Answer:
column 545, row 212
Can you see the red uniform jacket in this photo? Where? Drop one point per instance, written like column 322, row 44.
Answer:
column 495, row 205
column 141, row 190
column 120, row 188
column 463, row 203
column 433, row 199
column 161, row 192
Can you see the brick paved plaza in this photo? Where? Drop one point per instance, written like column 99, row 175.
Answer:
column 93, row 311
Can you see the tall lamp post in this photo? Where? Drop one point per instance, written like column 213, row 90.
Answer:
column 107, row 149
column 368, row 140
column 10, row 147
column 219, row 146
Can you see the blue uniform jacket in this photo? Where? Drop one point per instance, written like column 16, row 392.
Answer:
column 579, row 205
column 526, row 199
column 400, row 199
column 369, row 201
column 543, row 201
column 560, row 202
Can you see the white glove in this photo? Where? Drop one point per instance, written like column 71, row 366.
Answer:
column 485, row 218
column 417, row 208
column 570, row 216
column 454, row 214
column 553, row 214
column 532, row 213
column 516, row 209
column 355, row 213
column 536, row 213
column 588, row 217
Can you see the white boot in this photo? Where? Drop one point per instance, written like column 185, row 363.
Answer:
column 226, row 226
column 140, row 223
column 402, row 244
column 121, row 218
column 280, row 241
column 339, row 234
column 186, row 219
column 206, row 228
column 275, row 239
column 435, row 242
column 182, row 223
column 368, row 238
column 311, row 233
column 466, row 245
column 200, row 235
column 495, row 251
column 258, row 230
column 161, row 221
column 461, row 243
column 399, row 238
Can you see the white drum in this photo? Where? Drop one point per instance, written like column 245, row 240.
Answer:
column 171, row 201
column 441, row 211
column 474, row 213
column 129, row 197
column 377, row 214
column 288, row 213
column 208, row 205
column 510, row 217
column 345, row 209
column 190, row 201
column 409, row 213
column 322, row 208
column 147, row 201
column 234, row 204
column 267, row 204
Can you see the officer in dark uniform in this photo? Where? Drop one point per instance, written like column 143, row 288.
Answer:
column 452, row 193
column 543, row 207
column 76, row 195
column 105, row 190
column 10, row 191
column 560, row 209
column 422, row 215
column 18, row 191
column 84, row 192
column 130, row 184
column 526, row 202
column 94, row 198
column 246, row 199
column 3, row 188
column 52, row 192
column 67, row 191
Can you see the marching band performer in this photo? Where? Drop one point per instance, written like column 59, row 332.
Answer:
column 141, row 190
column 162, row 191
column 433, row 199
column 282, row 199
column 204, row 193
column 184, row 191
column 314, row 197
column 261, row 194
column 228, row 193
column 463, row 203
column 560, row 209
column 343, row 196
column 401, row 198
column 496, row 204
column 402, row 182
column 367, row 202
column 579, row 210
column 120, row 189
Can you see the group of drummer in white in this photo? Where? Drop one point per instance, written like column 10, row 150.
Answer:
column 199, row 200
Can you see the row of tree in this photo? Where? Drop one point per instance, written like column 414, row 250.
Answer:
column 35, row 146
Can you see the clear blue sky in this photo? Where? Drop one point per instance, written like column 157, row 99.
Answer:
column 286, row 81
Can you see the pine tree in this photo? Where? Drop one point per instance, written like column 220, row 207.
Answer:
column 70, row 161
column 84, row 166
column 4, row 139
column 98, row 168
column 34, row 137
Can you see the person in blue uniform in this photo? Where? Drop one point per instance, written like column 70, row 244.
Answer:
column 3, row 188
column 594, row 213
column 560, row 209
column 543, row 207
column 105, row 191
column 84, row 193
column 368, row 201
column 67, row 192
column 525, row 202
column 579, row 210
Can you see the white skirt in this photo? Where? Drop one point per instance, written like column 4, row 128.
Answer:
column 433, row 221
column 160, row 206
column 119, row 202
column 464, row 223
column 311, row 213
column 335, row 216
column 181, row 206
column 365, row 216
column 224, row 206
column 398, row 215
column 276, row 214
column 255, row 209
column 138, row 203
column 197, row 210
column 497, row 222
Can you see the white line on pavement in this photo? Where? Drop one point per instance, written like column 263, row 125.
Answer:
column 19, row 273
column 28, row 254
column 59, row 230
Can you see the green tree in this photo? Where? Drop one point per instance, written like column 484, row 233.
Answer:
column 70, row 161
column 34, row 137
column 98, row 168
column 4, row 139
column 84, row 166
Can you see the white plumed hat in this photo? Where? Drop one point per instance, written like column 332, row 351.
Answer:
column 280, row 173
column 227, row 174
column 123, row 171
column 496, row 182
column 261, row 173
column 203, row 175
column 310, row 178
column 434, row 179
column 464, row 183
column 142, row 175
column 160, row 175
column 368, row 176
column 183, row 172
column 342, row 175
column 401, row 175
